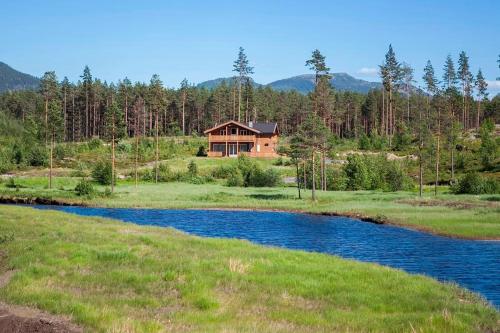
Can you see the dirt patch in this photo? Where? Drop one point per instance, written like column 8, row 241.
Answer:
column 18, row 319
column 450, row 204
column 14, row 319
column 36, row 201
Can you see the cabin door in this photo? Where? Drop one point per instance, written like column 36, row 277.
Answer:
column 233, row 150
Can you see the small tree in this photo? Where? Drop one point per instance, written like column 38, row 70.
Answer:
column 488, row 151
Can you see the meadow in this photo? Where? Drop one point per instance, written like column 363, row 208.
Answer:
column 109, row 276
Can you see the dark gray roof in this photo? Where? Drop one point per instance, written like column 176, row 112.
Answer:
column 266, row 128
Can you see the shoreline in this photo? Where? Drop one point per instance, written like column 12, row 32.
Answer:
column 361, row 217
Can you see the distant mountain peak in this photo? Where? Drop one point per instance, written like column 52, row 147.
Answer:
column 304, row 83
column 11, row 79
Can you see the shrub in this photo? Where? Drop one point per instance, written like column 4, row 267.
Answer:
column 488, row 150
column 102, row 173
column 474, row 183
column 192, row 168
column 94, row 144
column 235, row 179
column 123, row 147
column 364, row 142
column 164, row 173
column 396, row 178
column 11, row 183
column 5, row 161
column 279, row 161
column 402, row 139
column 201, row 152
column 357, row 173
column 223, row 171
column 84, row 188
column 38, row 156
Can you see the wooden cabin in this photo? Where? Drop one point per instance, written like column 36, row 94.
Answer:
column 234, row 138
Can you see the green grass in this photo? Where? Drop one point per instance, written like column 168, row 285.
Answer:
column 118, row 277
column 467, row 216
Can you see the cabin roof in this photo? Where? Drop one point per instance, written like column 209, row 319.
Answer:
column 259, row 128
column 265, row 128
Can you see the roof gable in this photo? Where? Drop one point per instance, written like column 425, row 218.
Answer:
column 234, row 123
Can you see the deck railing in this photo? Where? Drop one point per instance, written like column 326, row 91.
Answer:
column 232, row 138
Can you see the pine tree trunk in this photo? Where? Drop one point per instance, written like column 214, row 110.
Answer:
column 46, row 120
column 157, row 155
column 51, row 159
column 298, row 179
column 437, row 153
column 313, row 193
column 183, row 115
column 64, row 116
column 239, row 100
column 478, row 111
column 113, row 154
column 305, row 175
column 421, row 173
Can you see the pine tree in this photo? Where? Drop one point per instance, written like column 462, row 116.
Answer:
column 49, row 90
column 466, row 77
column 157, row 102
column 482, row 93
column 87, row 86
column 407, row 75
column 184, row 91
column 390, row 72
column 241, row 66
column 317, row 64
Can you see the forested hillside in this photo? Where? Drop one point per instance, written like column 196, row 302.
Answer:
column 10, row 79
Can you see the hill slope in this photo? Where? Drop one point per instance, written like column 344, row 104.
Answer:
column 10, row 79
column 305, row 83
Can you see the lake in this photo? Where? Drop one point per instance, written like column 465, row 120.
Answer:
column 472, row 264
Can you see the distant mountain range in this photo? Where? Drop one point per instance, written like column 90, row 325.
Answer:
column 10, row 79
column 305, row 83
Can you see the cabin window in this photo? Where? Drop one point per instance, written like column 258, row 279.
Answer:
column 219, row 147
column 244, row 147
column 233, row 131
column 223, row 132
column 243, row 132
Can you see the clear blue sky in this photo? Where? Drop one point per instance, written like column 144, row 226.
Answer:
column 199, row 39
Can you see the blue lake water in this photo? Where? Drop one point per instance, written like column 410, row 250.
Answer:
column 471, row 264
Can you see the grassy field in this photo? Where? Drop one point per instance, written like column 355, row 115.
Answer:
column 467, row 216
column 114, row 277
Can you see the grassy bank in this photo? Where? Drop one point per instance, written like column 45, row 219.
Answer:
column 466, row 216
column 112, row 276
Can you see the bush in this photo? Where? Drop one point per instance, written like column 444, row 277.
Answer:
column 396, row 178
column 223, row 171
column 192, row 168
column 260, row 178
column 84, row 188
column 102, row 172
column 402, row 139
column 364, row 142
column 201, row 152
column 94, row 144
column 474, row 183
column 38, row 156
column 488, row 151
column 357, row 173
column 235, row 179
column 124, row 147
column 372, row 173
